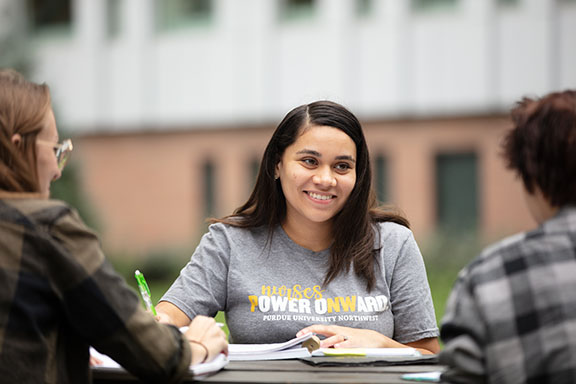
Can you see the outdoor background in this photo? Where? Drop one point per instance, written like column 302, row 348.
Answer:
column 170, row 104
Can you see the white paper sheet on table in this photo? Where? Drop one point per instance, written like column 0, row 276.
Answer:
column 368, row 352
column 430, row 377
column 203, row 369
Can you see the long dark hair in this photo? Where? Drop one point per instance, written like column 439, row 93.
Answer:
column 353, row 230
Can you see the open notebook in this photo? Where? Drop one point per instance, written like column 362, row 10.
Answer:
column 308, row 346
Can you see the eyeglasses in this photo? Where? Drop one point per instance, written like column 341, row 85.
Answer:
column 62, row 151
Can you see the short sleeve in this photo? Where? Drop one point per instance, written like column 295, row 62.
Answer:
column 201, row 287
column 410, row 297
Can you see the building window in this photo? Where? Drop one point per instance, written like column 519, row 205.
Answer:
column 457, row 191
column 508, row 3
column 113, row 17
column 381, row 178
column 364, row 8
column 179, row 14
column 209, row 189
column 297, row 10
column 51, row 16
column 422, row 6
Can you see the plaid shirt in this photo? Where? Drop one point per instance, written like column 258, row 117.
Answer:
column 511, row 317
column 59, row 295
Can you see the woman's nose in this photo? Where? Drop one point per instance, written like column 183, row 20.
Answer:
column 57, row 175
column 324, row 178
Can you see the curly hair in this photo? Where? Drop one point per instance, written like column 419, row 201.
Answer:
column 541, row 147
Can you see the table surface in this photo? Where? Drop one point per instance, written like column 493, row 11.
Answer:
column 288, row 371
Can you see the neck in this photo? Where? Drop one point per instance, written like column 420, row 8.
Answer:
column 21, row 195
column 539, row 206
column 314, row 236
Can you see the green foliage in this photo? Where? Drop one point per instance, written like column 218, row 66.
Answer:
column 445, row 255
column 158, row 266
column 68, row 189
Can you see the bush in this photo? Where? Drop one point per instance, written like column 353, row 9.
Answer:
column 445, row 255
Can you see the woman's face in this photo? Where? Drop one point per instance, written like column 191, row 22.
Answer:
column 46, row 161
column 317, row 173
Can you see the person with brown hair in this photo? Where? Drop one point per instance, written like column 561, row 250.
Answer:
column 511, row 317
column 310, row 251
column 58, row 293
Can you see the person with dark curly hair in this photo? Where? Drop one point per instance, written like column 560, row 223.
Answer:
column 511, row 317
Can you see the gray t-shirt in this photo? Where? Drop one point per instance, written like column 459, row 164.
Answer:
column 271, row 290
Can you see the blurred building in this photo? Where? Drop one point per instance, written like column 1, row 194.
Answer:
column 171, row 102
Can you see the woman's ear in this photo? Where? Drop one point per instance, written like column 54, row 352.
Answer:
column 16, row 139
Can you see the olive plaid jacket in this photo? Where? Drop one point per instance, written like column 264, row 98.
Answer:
column 511, row 317
column 59, row 295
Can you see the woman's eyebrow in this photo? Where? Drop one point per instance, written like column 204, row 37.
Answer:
column 309, row 152
column 318, row 154
column 346, row 157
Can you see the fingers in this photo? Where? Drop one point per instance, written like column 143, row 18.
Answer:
column 336, row 341
column 205, row 331
column 163, row 318
column 94, row 361
column 337, row 336
column 319, row 329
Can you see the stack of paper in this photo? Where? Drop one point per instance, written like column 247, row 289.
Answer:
column 291, row 349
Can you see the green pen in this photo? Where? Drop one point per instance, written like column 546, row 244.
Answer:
column 144, row 291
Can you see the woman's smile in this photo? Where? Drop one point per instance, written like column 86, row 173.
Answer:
column 320, row 197
column 317, row 173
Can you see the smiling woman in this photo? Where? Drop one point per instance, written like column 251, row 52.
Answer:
column 310, row 251
column 317, row 175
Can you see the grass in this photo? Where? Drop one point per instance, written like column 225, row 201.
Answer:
column 445, row 256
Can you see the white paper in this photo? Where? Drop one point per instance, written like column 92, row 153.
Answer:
column 290, row 349
column 430, row 377
column 368, row 352
column 198, row 369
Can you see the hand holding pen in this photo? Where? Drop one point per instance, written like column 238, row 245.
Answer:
column 206, row 339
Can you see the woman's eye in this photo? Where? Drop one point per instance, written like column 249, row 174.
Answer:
column 343, row 166
column 309, row 162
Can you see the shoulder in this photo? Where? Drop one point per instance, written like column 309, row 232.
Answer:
column 389, row 232
column 236, row 235
column 44, row 212
column 491, row 263
column 396, row 246
column 54, row 224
